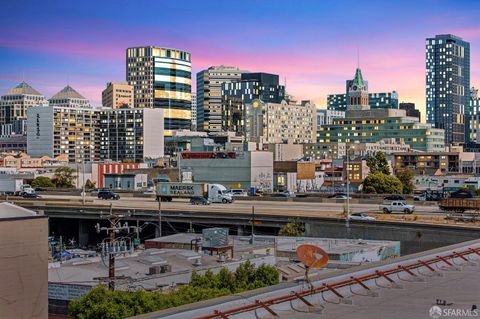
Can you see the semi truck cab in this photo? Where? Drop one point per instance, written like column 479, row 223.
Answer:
column 218, row 193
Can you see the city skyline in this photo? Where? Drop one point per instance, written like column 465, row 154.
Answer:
column 314, row 52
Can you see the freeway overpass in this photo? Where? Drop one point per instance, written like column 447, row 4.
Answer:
column 424, row 229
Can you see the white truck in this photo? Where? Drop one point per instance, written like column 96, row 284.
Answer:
column 15, row 187
column 397, row 207
column 215, row 193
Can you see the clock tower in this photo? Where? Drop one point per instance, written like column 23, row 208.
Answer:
column 357, row 98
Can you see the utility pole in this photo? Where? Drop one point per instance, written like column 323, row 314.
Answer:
column 111, row 256
column 252, row 239
column 159, row 216
column 83, row 175
column 113, row 247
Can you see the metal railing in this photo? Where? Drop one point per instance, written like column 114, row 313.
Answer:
column 266, row 304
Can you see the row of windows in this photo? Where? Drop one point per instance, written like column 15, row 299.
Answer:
column 173, row 72
column 171, row 86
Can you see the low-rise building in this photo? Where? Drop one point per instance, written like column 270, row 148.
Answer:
column 126, row 181
column 99, row 170
column 295, row 176
column 25, row 161
column 428, row 163
column 24, row 256
column 447, row 183
column 231, row 169
column 13, row 143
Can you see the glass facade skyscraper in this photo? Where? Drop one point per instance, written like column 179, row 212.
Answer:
column 209, row 95
column 161, row 78
column 448, row 86
column 236, row 95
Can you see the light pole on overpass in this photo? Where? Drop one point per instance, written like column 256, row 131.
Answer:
column 348, row 183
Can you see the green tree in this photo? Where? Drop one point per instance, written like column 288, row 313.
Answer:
column 101, row 302
column 378, row 163
column 382, row 184
column 266, row 275
column 42, row 181
column 89, row 184
column 406, row 178
column 293, row 228
column 64, row 177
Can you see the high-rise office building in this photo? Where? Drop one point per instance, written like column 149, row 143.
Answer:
column 448, row 86
column 411, row 110
column 14, row 104
column 235, row 95
column 54, row 130
column 474, row 116
column 68, row 97
column 117, row 95
column 161, row 78
column 209, row 95
column 194, row 111
column 131, row 134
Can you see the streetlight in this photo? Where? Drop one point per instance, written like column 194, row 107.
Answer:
column 83, row 170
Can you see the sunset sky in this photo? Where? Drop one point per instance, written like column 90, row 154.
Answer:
column 313, row 44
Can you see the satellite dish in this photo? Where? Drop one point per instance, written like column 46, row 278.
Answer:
column 312, row 257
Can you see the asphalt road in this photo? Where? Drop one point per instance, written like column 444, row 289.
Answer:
column 281, row 208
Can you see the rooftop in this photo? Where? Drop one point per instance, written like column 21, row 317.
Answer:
column 23, row 89
column 9, row 210
column 67, row 93
column 412, row 286
column 134, row 268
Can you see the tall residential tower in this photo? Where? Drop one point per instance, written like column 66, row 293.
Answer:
column 161, row 78
column 448, row 86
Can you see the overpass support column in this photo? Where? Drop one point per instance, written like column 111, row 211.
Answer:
column 82, row 233
column 240, row 231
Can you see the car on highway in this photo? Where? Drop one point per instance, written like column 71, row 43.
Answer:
column 108, row 194
column 30, row 195
column 340, row 196
column 361, row 216
column 397, row 207
column 238, row 192
column 199, row 201
column 420, row 197
column 149, row 191
column 287, row 194
column 394, row 197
